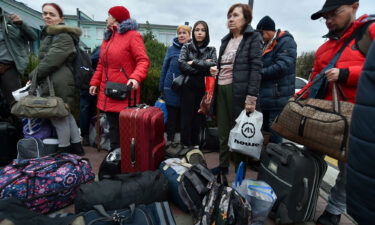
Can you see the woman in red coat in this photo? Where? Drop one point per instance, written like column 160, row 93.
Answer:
column 123, row 59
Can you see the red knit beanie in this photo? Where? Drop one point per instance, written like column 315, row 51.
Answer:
column 120, row 13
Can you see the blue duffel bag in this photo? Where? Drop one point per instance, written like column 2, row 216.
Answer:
column 173, row 169
column 153, row 214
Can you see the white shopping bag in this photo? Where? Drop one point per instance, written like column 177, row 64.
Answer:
column 21, row 93
column 246, row 136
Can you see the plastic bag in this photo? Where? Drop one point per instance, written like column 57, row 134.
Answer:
column 160, row 103
column 21, row 93
column 259, row 194
column 246, row 136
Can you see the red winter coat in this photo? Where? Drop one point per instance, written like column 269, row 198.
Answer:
column 123, row 57
column 351, row 58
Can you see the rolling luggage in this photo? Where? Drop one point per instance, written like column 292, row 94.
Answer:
column 141, row 137
column 295, row 175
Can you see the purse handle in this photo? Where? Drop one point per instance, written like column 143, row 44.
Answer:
column 34, row 85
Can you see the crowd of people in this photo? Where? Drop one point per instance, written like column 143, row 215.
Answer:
column 254, row 70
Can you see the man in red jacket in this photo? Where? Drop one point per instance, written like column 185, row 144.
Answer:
column 340, row 19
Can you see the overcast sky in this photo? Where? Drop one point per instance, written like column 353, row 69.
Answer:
column 291, row 15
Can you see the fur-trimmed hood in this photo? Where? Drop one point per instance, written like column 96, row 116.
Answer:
column 122, row 28
column 58, row 29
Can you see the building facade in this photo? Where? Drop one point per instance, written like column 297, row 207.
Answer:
column 92, row 31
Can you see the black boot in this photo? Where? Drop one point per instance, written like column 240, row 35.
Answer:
column 66, row 149
column 77, row 149
column 85, row 140
column 328, row 219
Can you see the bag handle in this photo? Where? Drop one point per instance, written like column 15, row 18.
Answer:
column 34, row 85
column 239, row 174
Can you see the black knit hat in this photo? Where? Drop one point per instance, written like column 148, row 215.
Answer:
column 266, row 23
column 331, row 5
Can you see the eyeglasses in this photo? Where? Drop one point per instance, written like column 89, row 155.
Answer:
column 332, row 14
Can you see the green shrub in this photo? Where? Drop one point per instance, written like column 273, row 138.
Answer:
column 33, row 62
column 156, row 53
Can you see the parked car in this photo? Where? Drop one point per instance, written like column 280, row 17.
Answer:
column 300, row 83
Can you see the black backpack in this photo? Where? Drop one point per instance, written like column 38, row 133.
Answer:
column 363, row 40
column 82, row 68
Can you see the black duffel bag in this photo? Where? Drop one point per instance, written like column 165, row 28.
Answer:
column 122, row 190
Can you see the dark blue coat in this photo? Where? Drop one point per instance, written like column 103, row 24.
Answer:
column 361, row 160
column 278, row 73
column 170, row 71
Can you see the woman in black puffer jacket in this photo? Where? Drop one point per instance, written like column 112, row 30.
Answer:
column 239, row 66
column 196, row 59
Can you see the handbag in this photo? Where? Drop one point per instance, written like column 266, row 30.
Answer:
column 33, row 106
column 321, row 125
column 114, row 90
column 178, row 82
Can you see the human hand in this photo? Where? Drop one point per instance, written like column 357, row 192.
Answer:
column 214, row 71
column 190, row 62
column 92, row 90
column 208, row 60
column 250, row 103
column 16, row 19
column 332, row 74
column 134, row 84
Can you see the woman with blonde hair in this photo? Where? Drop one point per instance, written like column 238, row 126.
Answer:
column 169, row 72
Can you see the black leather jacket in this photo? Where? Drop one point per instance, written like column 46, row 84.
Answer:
column 200, row 66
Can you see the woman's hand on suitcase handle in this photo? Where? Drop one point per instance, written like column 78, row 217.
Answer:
column 92, row 90
column 134, row 84
column 250, row 103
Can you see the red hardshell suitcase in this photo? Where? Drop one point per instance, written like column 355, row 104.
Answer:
column 141, row 138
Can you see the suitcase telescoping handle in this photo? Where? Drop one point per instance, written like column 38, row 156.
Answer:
column 284, row 158
column 130, row 96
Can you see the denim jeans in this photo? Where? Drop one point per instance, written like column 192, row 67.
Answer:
column 268, row 117
column 337, row 197
column 87, row 105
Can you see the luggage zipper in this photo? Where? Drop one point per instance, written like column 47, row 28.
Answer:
column 166, row 214
column 311, row 207
column 274, row 175
column 149, row 221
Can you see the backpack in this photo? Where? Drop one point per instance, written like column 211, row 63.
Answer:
column 193, row 188
column 82, row 68
column 363, row 39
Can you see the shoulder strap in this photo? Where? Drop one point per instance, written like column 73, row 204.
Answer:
column 363, row 39
column 320, row 82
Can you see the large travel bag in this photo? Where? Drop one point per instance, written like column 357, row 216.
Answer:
column 295, row 175
column 141, row 138
column 173, row 169
column 193, row 187
column 122, row 190
column 45, row 184
column 153, row 214
column 8, row 140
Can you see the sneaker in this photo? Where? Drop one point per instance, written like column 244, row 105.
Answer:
column 328, row 219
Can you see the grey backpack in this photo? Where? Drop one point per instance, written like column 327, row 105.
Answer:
column 29, row 148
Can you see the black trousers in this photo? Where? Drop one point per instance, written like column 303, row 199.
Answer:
column 114, row 131
column 173, row 123
column 191, row 120
column 9, row 82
